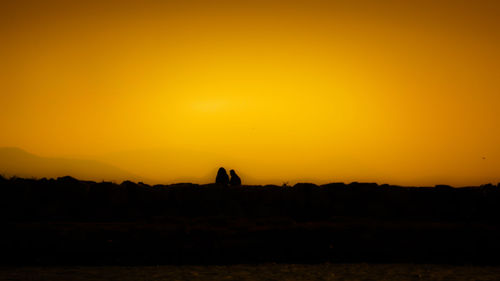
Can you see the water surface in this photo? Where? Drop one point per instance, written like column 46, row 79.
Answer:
column 282, row 272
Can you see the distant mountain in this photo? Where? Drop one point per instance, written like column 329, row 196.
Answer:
column 17, row 162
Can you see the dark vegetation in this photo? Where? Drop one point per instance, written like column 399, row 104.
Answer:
column 80, row 222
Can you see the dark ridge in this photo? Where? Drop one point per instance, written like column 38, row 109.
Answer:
column 67, row 221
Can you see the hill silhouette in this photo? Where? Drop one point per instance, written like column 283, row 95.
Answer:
column 64, row 220
column 17, row 162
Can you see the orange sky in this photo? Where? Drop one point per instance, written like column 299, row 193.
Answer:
column 403, row 92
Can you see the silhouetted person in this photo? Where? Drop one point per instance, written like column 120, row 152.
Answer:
column 235, row 180
column 222, row 177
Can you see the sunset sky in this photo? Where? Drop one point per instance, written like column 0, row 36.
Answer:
column 400, row 92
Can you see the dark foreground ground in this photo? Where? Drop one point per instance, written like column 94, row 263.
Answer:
column 70, row 222
column 262, row 272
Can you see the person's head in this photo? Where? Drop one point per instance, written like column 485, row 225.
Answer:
column 232, row 172
column 221, row 170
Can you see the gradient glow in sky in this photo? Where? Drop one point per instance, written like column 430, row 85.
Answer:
column 404, row 92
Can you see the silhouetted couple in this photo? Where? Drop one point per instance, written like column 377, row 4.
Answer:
column 223, row 179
